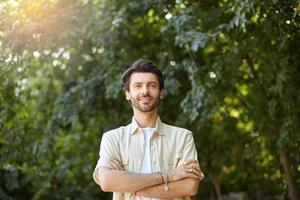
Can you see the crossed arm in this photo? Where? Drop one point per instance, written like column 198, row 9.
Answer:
column 181, row 188
column 182, row 181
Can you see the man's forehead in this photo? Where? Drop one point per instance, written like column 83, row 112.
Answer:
column 143, row 77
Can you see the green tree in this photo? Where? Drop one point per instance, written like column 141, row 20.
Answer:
column 231, row 77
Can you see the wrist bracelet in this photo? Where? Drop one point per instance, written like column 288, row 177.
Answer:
column 165, row 186
column 161, row 176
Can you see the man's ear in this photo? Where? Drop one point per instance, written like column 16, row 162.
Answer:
column 162, row 94
column 127, row 95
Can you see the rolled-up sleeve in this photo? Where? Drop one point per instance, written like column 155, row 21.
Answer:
column 109, row 149
column 189, row 150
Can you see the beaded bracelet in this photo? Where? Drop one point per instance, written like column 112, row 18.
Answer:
column 165, row 186
column 161, row 176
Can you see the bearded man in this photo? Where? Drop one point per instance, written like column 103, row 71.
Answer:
column 147, row 159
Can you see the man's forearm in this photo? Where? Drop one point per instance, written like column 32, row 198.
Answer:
column 182, row 188
column 124, row 182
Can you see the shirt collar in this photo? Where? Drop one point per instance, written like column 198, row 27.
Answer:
column 158, row 127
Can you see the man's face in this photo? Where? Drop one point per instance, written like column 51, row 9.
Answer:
column 144, row 91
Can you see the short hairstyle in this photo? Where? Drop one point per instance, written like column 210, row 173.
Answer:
column 144, row 66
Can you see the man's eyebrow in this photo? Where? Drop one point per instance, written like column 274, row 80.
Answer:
column 153, row 82
column 135, row 83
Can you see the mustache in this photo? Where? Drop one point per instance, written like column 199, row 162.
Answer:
column 145, row 95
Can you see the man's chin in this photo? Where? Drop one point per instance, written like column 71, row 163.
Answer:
column 147, row 108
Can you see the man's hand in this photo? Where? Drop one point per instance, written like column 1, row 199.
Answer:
column 115, row 164
column 190, row 169
column 182, row 181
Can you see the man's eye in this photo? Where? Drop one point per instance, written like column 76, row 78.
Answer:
column 153, row 85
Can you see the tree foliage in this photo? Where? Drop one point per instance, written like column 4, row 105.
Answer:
column 231, row 71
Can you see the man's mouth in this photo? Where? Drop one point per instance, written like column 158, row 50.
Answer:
column 145, row 99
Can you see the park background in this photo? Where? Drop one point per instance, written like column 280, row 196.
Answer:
column 232, row 76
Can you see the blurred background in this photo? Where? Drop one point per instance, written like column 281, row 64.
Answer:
column 232, row 73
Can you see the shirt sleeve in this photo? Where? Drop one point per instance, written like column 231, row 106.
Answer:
column 109, row 149
column 189, row 150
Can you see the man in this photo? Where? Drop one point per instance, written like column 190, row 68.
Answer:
column 147, row 159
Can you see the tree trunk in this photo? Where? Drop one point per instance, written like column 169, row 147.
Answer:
column 284, row 160
column 217, row 188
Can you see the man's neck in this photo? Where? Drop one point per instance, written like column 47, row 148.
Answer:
column 146, row 119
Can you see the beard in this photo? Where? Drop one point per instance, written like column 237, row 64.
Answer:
column 145, row 107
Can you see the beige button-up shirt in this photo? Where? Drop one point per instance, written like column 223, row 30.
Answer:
column 170, row 146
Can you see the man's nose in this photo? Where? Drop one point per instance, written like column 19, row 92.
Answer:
column 145, row 90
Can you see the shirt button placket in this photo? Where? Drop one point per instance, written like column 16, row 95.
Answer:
column 154, row 158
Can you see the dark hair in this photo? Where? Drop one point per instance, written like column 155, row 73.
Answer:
column 142, row 66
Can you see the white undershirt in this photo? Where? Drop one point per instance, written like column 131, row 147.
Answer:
column 146, row 165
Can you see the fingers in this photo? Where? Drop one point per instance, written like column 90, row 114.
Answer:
column 190, row 169
column 195, row 166
column 194, row 176
column 194, row 170
column 190, row 162
column 115, row 164
column 201, row 176
column 193, row 173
